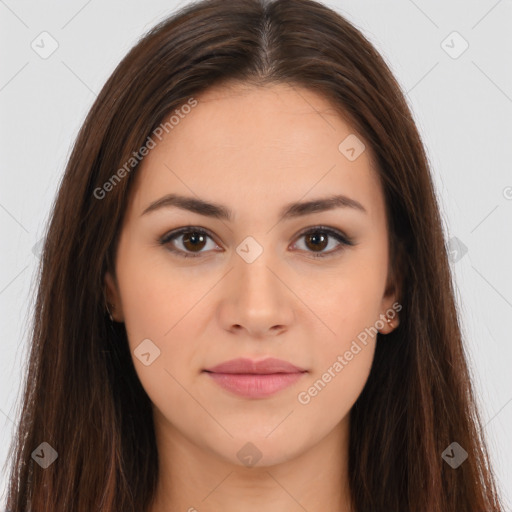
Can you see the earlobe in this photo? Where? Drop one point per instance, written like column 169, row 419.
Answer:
column 112, row 299
column 390, row 307
column 387, row 322
column 391, row 324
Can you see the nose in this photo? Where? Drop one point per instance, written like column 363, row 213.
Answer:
column 256, row 300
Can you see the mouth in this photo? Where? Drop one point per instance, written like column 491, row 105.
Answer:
column 255, row 379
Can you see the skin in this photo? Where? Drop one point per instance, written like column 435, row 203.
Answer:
column 253, row 150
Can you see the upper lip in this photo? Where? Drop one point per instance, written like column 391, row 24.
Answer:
column 263, row 367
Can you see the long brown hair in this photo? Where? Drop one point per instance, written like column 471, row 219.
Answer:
column 82, row 395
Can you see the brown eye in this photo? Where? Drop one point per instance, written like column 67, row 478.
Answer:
column 318, row 239
column 193, row 241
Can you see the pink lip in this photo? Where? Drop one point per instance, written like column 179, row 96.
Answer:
column 255, row 379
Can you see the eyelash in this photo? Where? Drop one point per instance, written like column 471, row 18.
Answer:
column 340, row 237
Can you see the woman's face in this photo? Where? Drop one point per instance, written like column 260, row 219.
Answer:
column 262, row 279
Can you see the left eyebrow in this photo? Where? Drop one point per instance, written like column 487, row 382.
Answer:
column 218, row 211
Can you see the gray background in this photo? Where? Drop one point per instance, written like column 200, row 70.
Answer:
column 462, row 105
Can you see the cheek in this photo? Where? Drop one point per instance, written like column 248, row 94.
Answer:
column 346, row 302
column 343, row 359
column 331, row 392
column 348, row 306
column 158, row 306
column 155, row 297
column 158, row 310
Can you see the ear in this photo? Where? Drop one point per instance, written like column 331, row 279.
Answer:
column 113, row 297
column 390, row 316
column 390, row 305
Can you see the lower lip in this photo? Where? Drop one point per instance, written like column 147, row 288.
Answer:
column 255, row 385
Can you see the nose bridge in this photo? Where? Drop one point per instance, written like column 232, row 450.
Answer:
column 253, row 262
column 258, row 299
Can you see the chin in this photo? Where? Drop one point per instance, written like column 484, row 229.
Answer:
column 257, row 451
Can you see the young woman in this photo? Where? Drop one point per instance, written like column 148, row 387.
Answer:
column 245, row 300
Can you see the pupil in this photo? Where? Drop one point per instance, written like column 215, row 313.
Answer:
column 317, row 240
column 193, row 239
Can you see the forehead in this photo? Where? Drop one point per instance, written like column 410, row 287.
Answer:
column 277, row 142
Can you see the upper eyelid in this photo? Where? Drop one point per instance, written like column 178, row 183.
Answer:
column 174, row 233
